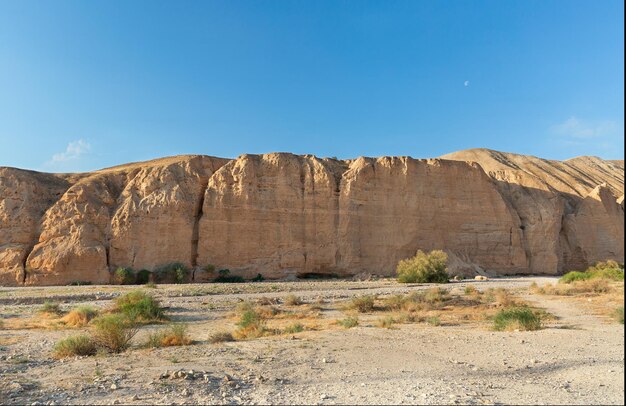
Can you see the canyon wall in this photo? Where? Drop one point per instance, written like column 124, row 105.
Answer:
column 284, row 215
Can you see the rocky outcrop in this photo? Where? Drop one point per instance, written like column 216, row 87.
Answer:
column 284, row 215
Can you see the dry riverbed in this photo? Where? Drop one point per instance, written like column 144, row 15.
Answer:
column 577, row 358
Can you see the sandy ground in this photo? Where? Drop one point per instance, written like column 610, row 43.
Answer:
column 577, row 359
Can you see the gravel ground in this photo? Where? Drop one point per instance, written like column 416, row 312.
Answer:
column 577, row 359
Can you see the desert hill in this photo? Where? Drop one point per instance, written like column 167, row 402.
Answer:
column 284, row 215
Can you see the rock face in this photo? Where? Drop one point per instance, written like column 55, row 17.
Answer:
column 283, row 215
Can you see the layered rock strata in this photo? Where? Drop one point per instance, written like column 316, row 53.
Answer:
column 284, row 215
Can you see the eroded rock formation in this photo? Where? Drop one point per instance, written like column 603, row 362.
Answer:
column 285, row 215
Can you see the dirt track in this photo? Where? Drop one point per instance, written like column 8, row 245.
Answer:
column 578, row 359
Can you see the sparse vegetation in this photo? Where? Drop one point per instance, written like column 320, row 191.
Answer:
column 51, row 308
column 80, row 316
column 139, row 306
column 143, row 277
column 175, row 272
column 293, row 328
column 434, row 321
column 609, row 270
column 224, row 276
column 516, row 318
column 385, row 322
column 258, row 278
column 362, row 304
column 113, row 332
column 619, row 314
column 182, row 275
column 424, row 268
column 124, row 276
column 293, row 300
column 220, row 337
column 174, row 335
column 348, row 322
column 81, row 345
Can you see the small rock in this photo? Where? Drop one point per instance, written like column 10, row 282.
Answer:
column 324, row 397
column 113, row 386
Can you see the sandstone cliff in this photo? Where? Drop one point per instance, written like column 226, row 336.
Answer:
column 286, row 215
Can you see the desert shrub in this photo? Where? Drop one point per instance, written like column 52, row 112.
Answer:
column 80, row 345
column 124, row 276
column 293, row 328
column 619, row 314
column 79, row 283
column 113, row 332
column 139, row 306
column 175, row 272
column 151, row 285
column 174, row 335
column 575, row 276
column 471, row 290
column 182, row 275
column 258, row 278
column 51, row 308
column 224, row 276
column 143, row 277
column 424, row 268
column 395, row 302
column 209, row 268
column 436, row 295
column 293, row 300
column 220, row 337
column 609, row 270
column 516, row 318
column 348, row 322
column 385, row 322
column 248, row 318
column 80, row 316
column 362, row 304
column 434, row 321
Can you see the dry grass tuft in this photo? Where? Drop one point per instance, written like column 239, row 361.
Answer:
column 220, row 337
column 80, row 316
column 175, row 335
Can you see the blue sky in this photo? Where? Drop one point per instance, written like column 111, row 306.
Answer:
column 86, row 84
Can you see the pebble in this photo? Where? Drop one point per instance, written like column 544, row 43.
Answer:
column 113, row 386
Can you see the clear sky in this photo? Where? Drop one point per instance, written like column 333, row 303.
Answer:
column 90, row 84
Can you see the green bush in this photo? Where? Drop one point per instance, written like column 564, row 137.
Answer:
column 175, row 272
column 516, row 318
column 609, row 270
column 258, row 278
column 248, row 318
column 81, row 345
column 224, row 276
column 113, row 332
column 424, row 268
column 124, row 276
column 139, row 306
column 434, row 321
column 143, row 277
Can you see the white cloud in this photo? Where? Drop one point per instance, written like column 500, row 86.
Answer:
column 575, row 128
column 73, row 151
column 466, row 83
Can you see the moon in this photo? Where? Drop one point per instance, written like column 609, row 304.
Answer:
column 466, row 83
